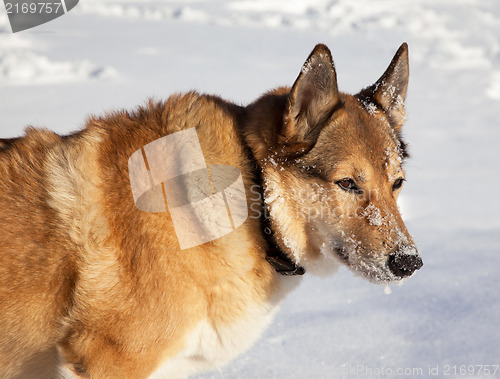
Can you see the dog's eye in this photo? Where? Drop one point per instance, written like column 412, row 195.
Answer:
column 347, row 184
column 397, row 184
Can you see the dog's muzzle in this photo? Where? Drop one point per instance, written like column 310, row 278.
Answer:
column 404, row 264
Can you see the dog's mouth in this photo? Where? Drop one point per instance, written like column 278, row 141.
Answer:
column 342, row 254
column 386, row 269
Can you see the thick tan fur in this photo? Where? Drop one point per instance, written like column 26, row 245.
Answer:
column 91, row 283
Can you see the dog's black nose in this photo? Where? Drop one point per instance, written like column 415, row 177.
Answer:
column 404, row 265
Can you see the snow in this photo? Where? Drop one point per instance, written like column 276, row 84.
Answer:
column 393, row 162
column 373, row 215
column 387, row 289
column 115, row 54
column 369, row 106
column 23, row 63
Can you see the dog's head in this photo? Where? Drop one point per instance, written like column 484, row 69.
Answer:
column 332, row 167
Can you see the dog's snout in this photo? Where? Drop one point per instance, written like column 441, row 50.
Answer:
column 403, row 264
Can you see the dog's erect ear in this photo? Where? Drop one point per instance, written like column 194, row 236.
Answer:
column 389, row 92
column 312, row 99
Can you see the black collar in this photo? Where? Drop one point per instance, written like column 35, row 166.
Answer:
column 274, row 254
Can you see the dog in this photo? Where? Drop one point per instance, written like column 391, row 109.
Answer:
column 100, row 279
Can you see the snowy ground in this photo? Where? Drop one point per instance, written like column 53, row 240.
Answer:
column 113, row 54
